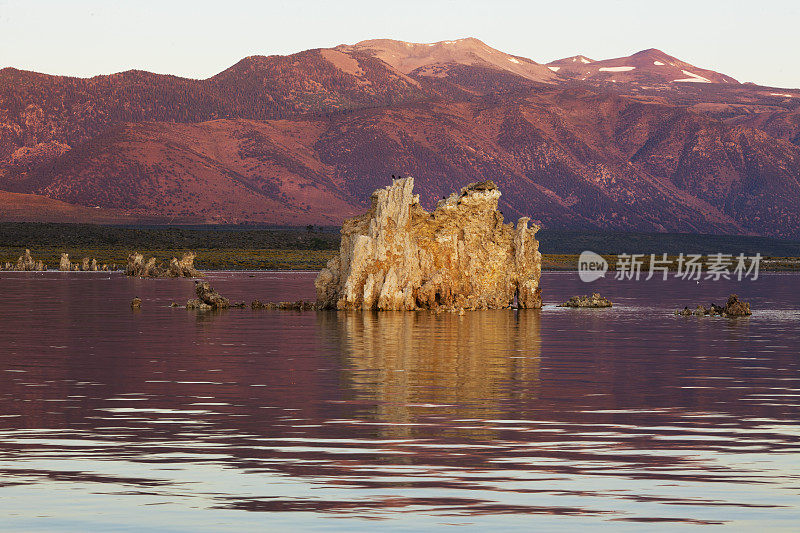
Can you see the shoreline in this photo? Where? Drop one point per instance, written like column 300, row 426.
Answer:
column 240, row 259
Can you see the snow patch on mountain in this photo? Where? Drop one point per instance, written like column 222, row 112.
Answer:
column 616, row 69
column 693, row 78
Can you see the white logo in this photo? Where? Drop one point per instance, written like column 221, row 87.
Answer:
column 591, row 266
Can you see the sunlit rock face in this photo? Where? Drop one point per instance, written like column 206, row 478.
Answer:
column 397, row 256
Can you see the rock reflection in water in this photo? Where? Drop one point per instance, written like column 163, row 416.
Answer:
column 414, row 364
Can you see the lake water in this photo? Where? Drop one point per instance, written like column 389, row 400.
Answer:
column 555, row 420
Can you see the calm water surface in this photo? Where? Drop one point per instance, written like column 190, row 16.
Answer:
column 624, row 419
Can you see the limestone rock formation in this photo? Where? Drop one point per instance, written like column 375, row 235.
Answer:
column 733, row 308
column 207, row 298
column 183, row 268
column 196, row 303
column 137, row 266
column 86, row 265
column 397, row 256
column 152, row 268
column 26, row 263
column 736, row 308
column 594, row 301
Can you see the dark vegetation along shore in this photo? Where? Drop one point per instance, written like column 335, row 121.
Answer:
column 310, row 247
column 217, row 247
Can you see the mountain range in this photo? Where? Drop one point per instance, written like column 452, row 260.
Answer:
column 646, row 142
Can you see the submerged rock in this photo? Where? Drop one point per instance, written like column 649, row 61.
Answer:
column 207, row 298
column 593, row 301
column 299, row 305
column 196, row 303
column 733, row 308
column 397, row 256
column 136, row 303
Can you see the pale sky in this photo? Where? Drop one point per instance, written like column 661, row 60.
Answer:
column 749, row 40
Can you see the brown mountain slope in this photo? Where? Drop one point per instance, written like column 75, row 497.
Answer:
column 571, row 159
column 434, row 59
column 40, row 109
column 221, row 171
column 646, row 67
column 305, row 138
column 35, row 208
column 781, row 124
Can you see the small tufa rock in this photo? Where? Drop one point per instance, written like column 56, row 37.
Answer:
column 736, row 308
column 136, row 303
column 197, row 304
column 137, row 266
column 64, row 265
column 26, row 263
column 183, row 268
column 733, row 308
column 594, row 301
column 25, row 260
column 151, row 268
column 208, row 296
column 299, row 305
